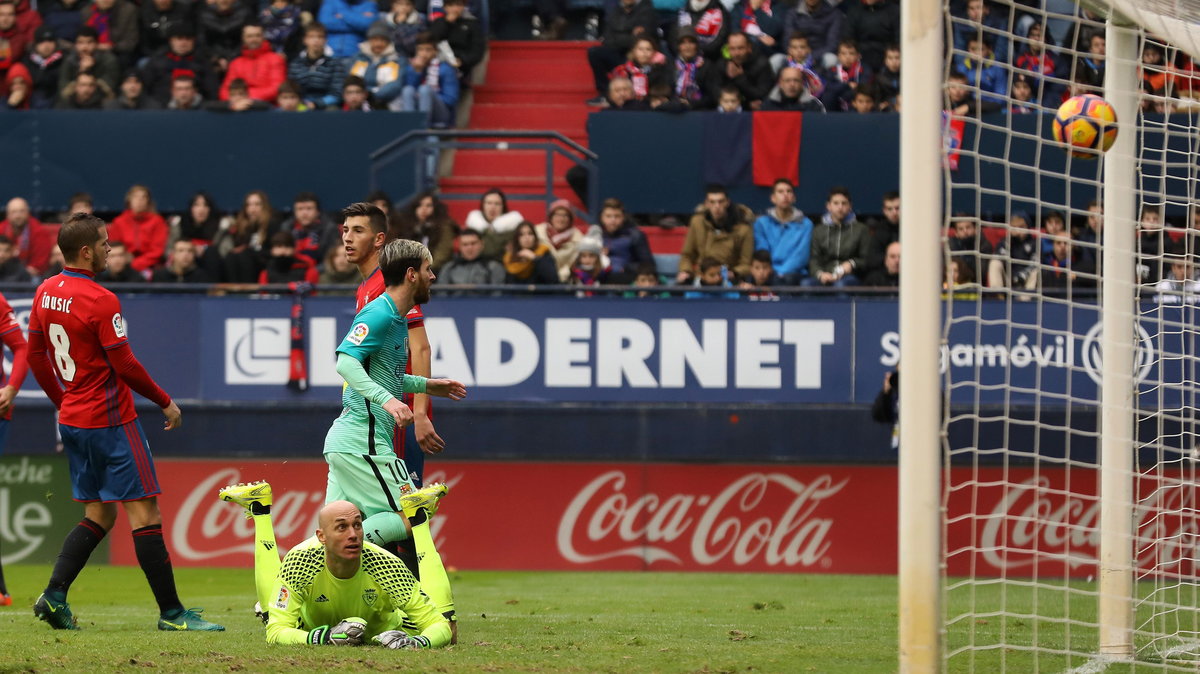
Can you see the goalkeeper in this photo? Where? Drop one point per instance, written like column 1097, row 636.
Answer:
column 336, row 588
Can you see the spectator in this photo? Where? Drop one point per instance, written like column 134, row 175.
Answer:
column 34, row 240
column 886, row 408
column 799, row 55
column 85, row 93
column 81, row 202
column 16, row 89
column 872, row 25
column 318, row 75
column 840, row 244
column 980, row 21
column 118, row 269
column 157, row 18
column 1089, row 68
column 280, row 19
column 469, row 267
column 181, row 57
column 785, row 234
column 845, row 78
column 548, row 20
column 1180, row 285
column 406, row 24
column 662, row 99
column 239, row 100
column 11, row 269
column 625, row 245
column 285, row 266
column 56, row 263
column 745, row 70
column 644, row 67
column 762, row 273
column 864, row 102
column 710, row 22
column 184, row 95
column 887, row 78
column 426, row 219
column 13, row 40
column 262, row 69
column 623, row 23
column 719, row 229
column 141, row 229
column 43, row 63
column 690, row 71
column 1022, row 96
column 463, row 34
column 312, row 233
column 590, row 266
column 430, row 86
column 221, row 23
column 791, row 94
column 961, row 101
column 354, row 95
column 494, row 222
column 133, row 95
column 116, row 24
column 380, row 66
column 1053, row 224
column 1089, row 240
column 289, row 98
column 730, row 101
column 756, row 19
column 1016, row 256
column 201, row 223
column 969, row 245
column 647, row 277
column 1150, row 244
column 984, row 73
column 257, row 219
column 338, row 269
column 242, row 263
column 821, row 23
column 88, row 56
column 1037, row 62
column 712, row 274
column 347, row 22
column 528, row 260
column 1063, row 268
column 620, row 96
column 561, row 235
column 887, row 275
column 884, row 230
column 61, row 16
column 181, row 267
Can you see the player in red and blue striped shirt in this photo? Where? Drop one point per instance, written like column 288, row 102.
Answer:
column 10, row 333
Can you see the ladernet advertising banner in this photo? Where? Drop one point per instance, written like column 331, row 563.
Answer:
column 673, row 517
column 36, row 509
column 602, row 349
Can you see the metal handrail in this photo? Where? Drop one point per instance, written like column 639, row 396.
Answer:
column 485, row 133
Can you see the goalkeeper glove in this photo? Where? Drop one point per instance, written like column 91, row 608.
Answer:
column 349, row 632
column 400, row 639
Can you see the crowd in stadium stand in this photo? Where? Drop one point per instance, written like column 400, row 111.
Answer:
column 238, row 55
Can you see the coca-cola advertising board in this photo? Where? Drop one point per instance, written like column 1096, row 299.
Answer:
column 673, row 517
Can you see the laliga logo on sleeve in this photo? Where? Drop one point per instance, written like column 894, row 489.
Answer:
column 1093, row 359
column 282, row 600
column 118, row 325
column 357, row 334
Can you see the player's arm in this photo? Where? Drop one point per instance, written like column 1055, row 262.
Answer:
column 20, row 362
column 364, row 339
column 110, row 329
column 433, row 626
column 419, row 355
column 39, row 361
column 283, row 624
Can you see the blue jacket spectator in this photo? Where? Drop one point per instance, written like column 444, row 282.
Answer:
column 626, row 245
column 430, row 86
column 319, row 79
column 785, row 233
column 979, row 21
column 379, row 65
column 989, row 76
column 347, row 22
column 821, row 23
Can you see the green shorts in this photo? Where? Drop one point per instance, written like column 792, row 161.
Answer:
column 373, row 483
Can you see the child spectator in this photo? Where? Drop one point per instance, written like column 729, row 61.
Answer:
column 845, row 77
column 647, row 277
column 284, row 266
column 347, row 22
column 1053, row 224
column 624, row 244
column 961, row 101
column 712, row 274
column 1022, row 96
column 1063, row 268
column 380, row 66
column 691, row 70
column 984, row 73
column 590, row 267
column 785, row 234
column 406, row 24
column 354, row 95
column 181, row 267
column 1016, row 256
column 494, row 222
column 709, row 20
column 1034, row 57
column 730, row 101
column 644, row 67
column 887, row 78
column 239, row 100
column 317, row 75
column 821, row 23
column 141, row 229
column 978, row 18
column 762, row 274
column 561, row 235
column 864, row 102
column 968, row 245
column 289, row 98
column 429, row 85
column 527, row 260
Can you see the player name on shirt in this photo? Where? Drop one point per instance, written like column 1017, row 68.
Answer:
column 57, row 303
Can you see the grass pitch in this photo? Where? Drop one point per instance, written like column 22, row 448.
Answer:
column 509, row 622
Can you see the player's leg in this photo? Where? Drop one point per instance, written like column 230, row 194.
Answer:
column 414, row 458
column 256, row 498
column 86, row 470
column 419, row 507
column 131, row 479
column 5, row 598
column 375, row 484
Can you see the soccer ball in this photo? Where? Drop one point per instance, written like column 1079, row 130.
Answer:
column 1088, row 124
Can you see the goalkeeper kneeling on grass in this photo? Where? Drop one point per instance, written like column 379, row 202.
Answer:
column 336, row 588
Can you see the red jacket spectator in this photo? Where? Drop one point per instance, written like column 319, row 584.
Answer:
column 144, row 235
column 13, row 39
column 34, row 243
column 289, row 269
column 17, row 71
column 27, row 20
column 261, row 68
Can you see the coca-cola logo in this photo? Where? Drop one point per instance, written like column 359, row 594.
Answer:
column 768, row 517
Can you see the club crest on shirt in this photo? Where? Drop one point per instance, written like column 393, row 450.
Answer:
column 118, row 325
column 282, row 600
column 369, row 596
column 358, row 333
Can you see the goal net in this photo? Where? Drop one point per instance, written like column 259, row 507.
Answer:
column 1070, row 434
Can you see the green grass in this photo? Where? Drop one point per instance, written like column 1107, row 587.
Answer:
column 509, row 622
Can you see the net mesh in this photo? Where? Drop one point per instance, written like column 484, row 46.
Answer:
column 1022, row 329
